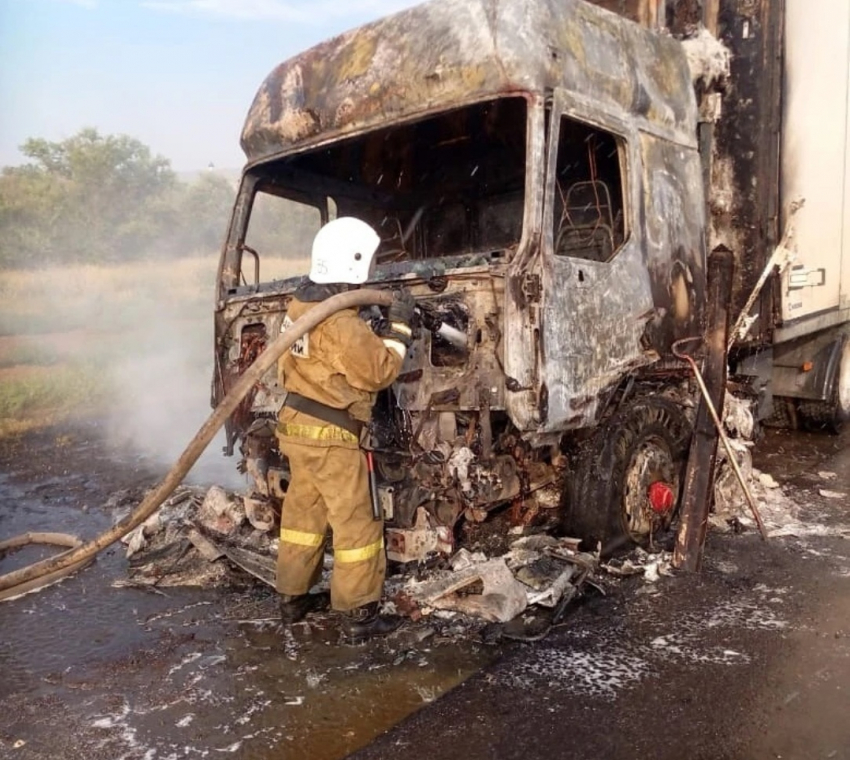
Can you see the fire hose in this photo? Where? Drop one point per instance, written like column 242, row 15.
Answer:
column 52, row 569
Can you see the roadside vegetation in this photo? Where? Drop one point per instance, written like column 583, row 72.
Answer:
column 107, row 269
column 103, row 200
column 63, row 329
column 101, row 297
column 102, row 250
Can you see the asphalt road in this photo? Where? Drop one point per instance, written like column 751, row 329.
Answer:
column 748, row 660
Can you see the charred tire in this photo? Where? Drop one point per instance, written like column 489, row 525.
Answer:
column 832, row 414
column 626, row 480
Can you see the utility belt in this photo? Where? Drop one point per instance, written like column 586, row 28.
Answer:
column 339, row 417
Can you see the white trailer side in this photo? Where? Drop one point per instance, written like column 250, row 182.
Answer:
column 815, row 156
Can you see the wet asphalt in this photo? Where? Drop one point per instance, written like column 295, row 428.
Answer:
column 749, row 659
column 93, row 669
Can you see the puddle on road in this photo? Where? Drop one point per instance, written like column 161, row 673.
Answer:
column 800, row 458
column 254, row 695
column 193, row 681
column 133, row 674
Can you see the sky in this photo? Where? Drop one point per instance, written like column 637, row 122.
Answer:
column 179, row 75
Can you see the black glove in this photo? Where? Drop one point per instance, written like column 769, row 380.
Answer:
column 402, row 308
column 395, row 331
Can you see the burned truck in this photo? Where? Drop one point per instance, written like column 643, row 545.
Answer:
column 533, row 171
column 534, row 174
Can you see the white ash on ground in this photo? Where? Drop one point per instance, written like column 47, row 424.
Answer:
column 781, row 515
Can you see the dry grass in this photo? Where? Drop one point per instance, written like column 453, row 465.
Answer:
column 63, row 328
column 32, row 397
column 88, row 296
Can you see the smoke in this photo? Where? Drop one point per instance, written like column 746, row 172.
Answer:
column 130, row 344
column 160, row 391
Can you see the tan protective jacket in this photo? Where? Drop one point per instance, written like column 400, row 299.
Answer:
column 341, row 362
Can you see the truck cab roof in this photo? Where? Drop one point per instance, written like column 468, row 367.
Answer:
column 445, row 53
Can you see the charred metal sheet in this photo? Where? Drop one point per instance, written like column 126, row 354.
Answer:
column 744, row 194
column 470, row 303
column 448, row 52
column 604, row 319
column 674, row 226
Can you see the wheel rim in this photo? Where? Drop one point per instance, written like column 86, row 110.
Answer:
column 650, row 490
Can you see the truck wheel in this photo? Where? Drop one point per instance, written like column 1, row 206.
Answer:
column 831, row 415
column 626, row 480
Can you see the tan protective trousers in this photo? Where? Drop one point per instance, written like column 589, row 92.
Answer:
column 330, row 485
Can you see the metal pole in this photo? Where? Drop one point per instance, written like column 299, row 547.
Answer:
column 723, row 437
column 702, row 458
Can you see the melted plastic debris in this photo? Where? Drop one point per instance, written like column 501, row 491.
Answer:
column 781, row 515
column 708, row 59
column 537, row 570
column 738, row 416
column 181, row 544
column 497, row 595
column 204, row 539
column 652, row 566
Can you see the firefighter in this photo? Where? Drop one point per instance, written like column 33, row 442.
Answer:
column 331, row 376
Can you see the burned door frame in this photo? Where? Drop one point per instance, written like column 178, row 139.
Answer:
column 593, row 312
column 521, row 324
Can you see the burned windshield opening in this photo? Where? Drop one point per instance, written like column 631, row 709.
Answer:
column 278, row 237
column 448, row 185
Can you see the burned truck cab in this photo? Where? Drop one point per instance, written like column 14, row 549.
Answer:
column 532, row 171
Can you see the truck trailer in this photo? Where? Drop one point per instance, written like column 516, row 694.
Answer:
column 547, row 177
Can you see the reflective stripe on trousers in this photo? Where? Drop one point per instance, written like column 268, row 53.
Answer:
column 301, row 538
column 358, row 555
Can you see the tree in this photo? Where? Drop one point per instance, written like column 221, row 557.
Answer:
column 87, row 198
column 206, row 211
column 96, row 198
column 30, row 202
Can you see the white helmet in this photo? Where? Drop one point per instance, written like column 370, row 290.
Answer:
column 343, row 251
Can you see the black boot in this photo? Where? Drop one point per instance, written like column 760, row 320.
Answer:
column 295, row 608
column 363, row 623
